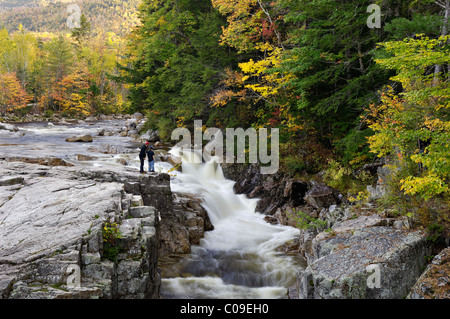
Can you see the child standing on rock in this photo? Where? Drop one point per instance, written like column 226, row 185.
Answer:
column 151, row 159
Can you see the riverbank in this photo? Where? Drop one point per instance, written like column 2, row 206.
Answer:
column 55, row 117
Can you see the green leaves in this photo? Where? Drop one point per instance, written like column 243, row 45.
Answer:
column 177, row 48
column 414, row 124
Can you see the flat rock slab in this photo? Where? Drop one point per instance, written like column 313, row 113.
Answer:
column 51, row 219
column 373, row 262
column 48, row 213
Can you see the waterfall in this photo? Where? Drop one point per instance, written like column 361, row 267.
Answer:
column 239, row 258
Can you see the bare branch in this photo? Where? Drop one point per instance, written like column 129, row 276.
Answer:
column 271, row 23
column 441, row 4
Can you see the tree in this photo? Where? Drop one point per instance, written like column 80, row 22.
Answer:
column 12, row 96
column 81, row 33
column 59, row 59
column 25, row 54
column 413, row 126
column 6, row 52
column 58, row 63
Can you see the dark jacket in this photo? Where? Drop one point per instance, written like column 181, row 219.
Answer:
column 150, row 154
column 143, row 151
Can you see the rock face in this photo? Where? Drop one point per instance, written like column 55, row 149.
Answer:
column 434, row 283
column 359, row 256
column 273, row 191
column 185, row 226
column 51, row 234
column 321, row 195
column 54, row 221
column 183, row 219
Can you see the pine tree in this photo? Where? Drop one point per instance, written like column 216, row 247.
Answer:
column 12, row 95
column 80, row 34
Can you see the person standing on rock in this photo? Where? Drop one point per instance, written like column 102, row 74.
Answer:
column 142, row 155
column 151, row 159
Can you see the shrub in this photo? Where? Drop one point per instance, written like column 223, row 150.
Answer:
column 111, row 245
column 304, row 221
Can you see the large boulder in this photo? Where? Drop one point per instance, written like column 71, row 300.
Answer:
column 151, row 136
column 322, row 196
column 360, row 260
column 8, row 127
column 81, row 138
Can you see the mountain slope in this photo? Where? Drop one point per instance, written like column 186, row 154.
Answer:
column 118, row 16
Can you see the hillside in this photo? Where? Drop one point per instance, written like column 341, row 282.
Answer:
column 118, row 16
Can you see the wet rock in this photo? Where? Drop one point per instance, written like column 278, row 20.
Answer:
column 81, row 138
column 46, row 161
column 8, row 127
column 271, row 220
column 121, row 161
column 84, row 158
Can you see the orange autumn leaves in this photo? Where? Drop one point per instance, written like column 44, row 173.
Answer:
column 12, row 94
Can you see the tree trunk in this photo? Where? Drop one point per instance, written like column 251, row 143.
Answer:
column 446, row 7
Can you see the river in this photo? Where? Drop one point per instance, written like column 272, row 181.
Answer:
column 238, row 259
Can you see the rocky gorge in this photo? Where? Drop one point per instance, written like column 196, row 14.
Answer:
column 73, row 230
column 357, row 253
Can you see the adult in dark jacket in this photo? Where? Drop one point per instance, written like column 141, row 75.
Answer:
column 142, row 155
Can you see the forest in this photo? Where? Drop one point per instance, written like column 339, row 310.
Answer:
column 51, row 16
column 343, row 91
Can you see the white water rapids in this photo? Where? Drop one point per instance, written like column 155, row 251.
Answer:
column 239, row 258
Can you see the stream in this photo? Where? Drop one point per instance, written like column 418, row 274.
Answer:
column 239, row 258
